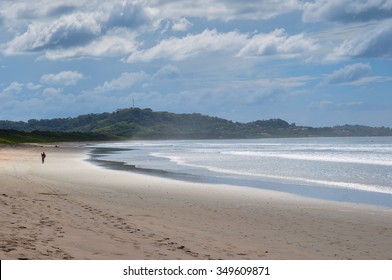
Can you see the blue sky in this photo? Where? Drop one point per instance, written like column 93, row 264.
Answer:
column 318, row 63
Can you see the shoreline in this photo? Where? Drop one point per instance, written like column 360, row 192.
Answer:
column 69, row 208
column 326, row 193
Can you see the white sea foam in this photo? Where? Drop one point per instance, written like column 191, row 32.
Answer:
column 346, row 163
column 300, row 180
column 359, row 158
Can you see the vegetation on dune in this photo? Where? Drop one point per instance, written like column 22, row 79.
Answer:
column 16, row 137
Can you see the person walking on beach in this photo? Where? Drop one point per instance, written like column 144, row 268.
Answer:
column 43, row 156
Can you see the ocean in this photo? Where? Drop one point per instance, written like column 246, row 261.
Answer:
column 352, row 169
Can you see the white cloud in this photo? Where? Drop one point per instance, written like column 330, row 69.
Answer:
column 71, row 30
column 279, row 43
column 90, row 28
column 94, row 29
column 376, row 42
column 115, row 43
column 131, row 14
column 181, row 25
column 328, row 105
column 124, row 81
column 113, row 13
column 190, row 46
column 354, row 74
column 32, row 86
column 321, row 105
column 82, row 28
column 286, row 82
column 349, row 74
column 67, row 78
column 13, row 87
column 51, row 92
column 17, row 14
column 168, row 72
column 347, row 10
column 225, row 10
column 276, row 43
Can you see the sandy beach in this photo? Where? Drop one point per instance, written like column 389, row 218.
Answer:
column 69, row 208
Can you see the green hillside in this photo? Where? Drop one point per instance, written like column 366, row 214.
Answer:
column 138, row 123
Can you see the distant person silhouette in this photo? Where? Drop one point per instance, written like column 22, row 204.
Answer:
column 43, row 156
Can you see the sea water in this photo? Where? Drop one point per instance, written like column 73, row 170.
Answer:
column 343, row 169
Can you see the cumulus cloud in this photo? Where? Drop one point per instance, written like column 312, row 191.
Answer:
column 67, row 78
column 125, row 81
column 13, row 87
column 168, row 72
column 87, row 28
column 347, row 10
column 374, row 43
column 181, row 25
column 114, row 43
column 9, row 94
column 354, row 74
column 226, row 10
column 32, row 86
column 190, row 46
column 349, row 74
column 130, row 14
column 68, row 31
column 321, row 105
column 278, row 42
column 49, row 92
column 73, row 30
column 21, row 10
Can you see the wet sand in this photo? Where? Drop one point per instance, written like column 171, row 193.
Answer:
column 69, row 208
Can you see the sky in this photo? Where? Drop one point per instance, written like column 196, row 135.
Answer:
column 317, row 63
